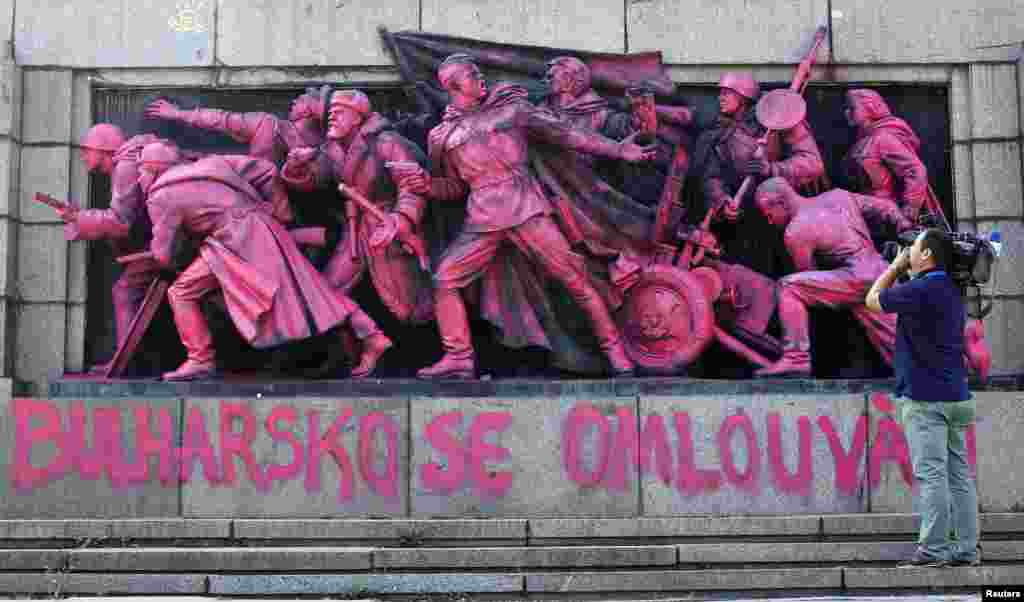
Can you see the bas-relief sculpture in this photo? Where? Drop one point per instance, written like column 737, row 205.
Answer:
column 571, row 199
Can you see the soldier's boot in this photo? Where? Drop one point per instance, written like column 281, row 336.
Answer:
column 622, row 366
column 796, row 338
column 375, row 342
column 192, row 370
column 196, row 337
column 373, row 348
column 608, row 335
column 793, row 363
column 459, row 361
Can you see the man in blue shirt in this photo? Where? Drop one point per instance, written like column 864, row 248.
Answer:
column 937, row 407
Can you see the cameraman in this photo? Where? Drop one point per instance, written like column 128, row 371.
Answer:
column 937, row 408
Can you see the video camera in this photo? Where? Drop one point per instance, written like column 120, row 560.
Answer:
column 972, row 256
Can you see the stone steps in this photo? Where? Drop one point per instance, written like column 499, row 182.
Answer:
column 552, row 584
column 478, row 531
column 318, row 558
column 552, row 557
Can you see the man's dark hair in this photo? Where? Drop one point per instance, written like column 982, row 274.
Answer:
column 941, row 246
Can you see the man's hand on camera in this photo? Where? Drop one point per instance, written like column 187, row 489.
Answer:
column 902, row 261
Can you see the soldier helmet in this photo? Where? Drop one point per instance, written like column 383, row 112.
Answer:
column 160, row 152
column 104, row 137
column 352, row 99
column 453, row 65
column 743, row 84
column 872, row 101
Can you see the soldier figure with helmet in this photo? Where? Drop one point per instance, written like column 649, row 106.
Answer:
column 736, row 153
column 125, row 223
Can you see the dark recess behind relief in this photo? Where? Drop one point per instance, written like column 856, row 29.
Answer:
column 924, row 107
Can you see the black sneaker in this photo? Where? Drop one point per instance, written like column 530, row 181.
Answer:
column 975, row 562
column 919, row 561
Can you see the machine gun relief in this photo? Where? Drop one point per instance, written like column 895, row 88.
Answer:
column 780, row 110
column 777, row 111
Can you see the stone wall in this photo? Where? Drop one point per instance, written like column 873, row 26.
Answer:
column 58, row 51
column 578, row 453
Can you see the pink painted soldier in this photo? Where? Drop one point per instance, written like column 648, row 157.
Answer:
column 884, row 161
column 481, row 149
column 573, row 99
column 105, row 150
column 734, row 155
column 836, row 263
column 273, row 294
column 268, row 136
column 361, row 145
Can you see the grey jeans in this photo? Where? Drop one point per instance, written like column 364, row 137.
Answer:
column 947, row 494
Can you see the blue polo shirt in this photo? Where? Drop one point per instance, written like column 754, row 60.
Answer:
column 929, row 360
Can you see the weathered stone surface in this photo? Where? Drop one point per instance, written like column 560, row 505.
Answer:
column 960, row 103
column 352, row 484
column 890, row 471
column 46, row 114
column 169, row 528
column 38, row 343
column 284, row 76
column 66, row 491
column 789, row 552
column 115, row 34
column 1002, row 522
column 64, row 583
column 999, row 427
column 869, row 524
column 79, row 181
column 738, row 478
column 43, row 169
column 364, row 584
column 42, row 263
column 494, row 388
column 997, row 179
column 10, row 168
column 6, row 21
column 10, row 98
column 678, row 526
column 219, row 559
column 948, row 31
column 74, row 339
column 414, row 530
column 53, row 529
column 181, row 77
column 994, row 111
column 522, row 457
column 1004, row 330
column 731, row 32
column 575, row 24
column 81, row 105
column 288, row 33
column 32, row 560
column 1008, row 273
column 963, row 179
column 9, row 261
column 1004, row 550
column 723, row 579
column 78, row 261
column 508, row 557
column 886, row 577
column 143, row 528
